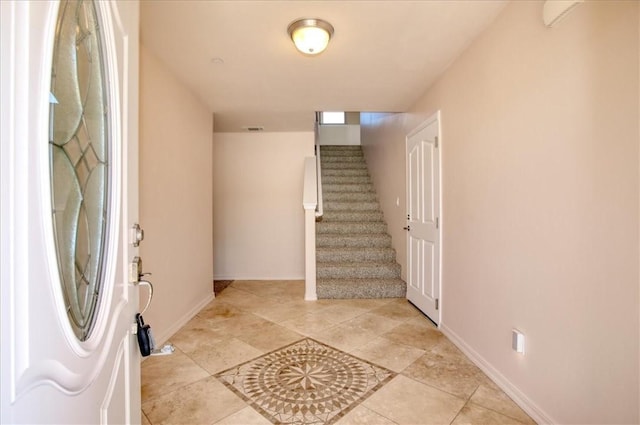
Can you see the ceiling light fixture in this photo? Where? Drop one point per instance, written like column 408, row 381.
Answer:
column 310, row 36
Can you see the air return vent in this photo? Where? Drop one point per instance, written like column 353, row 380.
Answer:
column 253, row 128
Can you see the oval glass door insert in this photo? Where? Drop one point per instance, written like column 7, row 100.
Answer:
column 79, row 157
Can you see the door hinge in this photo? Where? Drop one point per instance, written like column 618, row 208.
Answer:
column 437, row 303
column 437, row 222
column 436, row 141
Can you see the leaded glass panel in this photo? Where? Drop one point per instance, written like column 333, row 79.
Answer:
column 79, row 155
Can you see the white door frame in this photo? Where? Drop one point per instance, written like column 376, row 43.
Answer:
column 436, row 117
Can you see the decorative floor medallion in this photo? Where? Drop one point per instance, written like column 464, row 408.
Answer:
column 306, row 382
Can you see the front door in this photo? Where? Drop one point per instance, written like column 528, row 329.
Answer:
column 68, row 181
column 423, row 217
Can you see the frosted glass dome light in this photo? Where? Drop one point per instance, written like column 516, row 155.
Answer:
column 311, row 36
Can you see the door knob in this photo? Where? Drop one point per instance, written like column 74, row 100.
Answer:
column 408, row 228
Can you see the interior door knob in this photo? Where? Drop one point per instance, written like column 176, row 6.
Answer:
column 407, row 228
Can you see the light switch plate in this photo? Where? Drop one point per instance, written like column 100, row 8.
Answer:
column 517, row 341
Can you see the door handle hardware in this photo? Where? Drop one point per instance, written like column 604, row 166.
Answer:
column 408, row 228
column 148, row 284
column 135, row 269
column 136, row 235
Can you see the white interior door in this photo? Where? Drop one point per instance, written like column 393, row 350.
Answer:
column 423, row 216
column 68, row 184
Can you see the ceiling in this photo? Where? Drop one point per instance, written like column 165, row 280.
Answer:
column 236, row 56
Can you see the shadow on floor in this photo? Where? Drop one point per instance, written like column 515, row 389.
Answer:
column 220, row 285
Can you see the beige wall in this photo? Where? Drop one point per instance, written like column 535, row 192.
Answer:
column 382, row 137
column 258, row 219
column 540, row 145
column 175, row 197
column 332, row 134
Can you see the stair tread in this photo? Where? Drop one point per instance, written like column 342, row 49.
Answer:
column 351, row 223
column 348, row 222
column 350, row 228
column 346, row 158
column 381, row 240
column 352, row 255
column 355, row 249
column 346, row 189
column 361, row 264
column 346, row 206
column 377, row 235
column 335, row 187
column 333, row 216
column 350, row 196
column 343, row 172
column 329, row 180
column 356, row 280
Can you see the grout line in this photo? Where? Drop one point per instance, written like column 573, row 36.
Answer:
column 367, row 310
column 432, row 386
column 498, row 412
column 173, row 390
column 145, row 415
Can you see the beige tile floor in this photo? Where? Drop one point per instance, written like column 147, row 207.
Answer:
column 436, row 383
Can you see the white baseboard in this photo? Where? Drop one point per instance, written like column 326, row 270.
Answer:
column 168, row 333
column 224, row 277
column 521, row 399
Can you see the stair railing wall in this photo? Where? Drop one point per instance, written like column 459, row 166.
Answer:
column 310, row 203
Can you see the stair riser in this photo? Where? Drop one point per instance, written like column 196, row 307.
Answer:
column 332, row 187
column 349, row 196
column 336, row 216
column 350, row 206
column 341, row 158
column 345, row 173
column 360, row 288
column 340, row 148
column 366, row 241
column 351, row 228
column 344, row 165
column 326, row 159
column 333, row 255
column 345, row 180
column 386, row 271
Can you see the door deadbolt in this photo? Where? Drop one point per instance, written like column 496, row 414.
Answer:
column 137, row 235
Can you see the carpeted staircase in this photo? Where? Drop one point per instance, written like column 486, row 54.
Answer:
column 354, row 258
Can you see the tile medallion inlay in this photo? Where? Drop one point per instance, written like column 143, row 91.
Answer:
column 306, row 382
